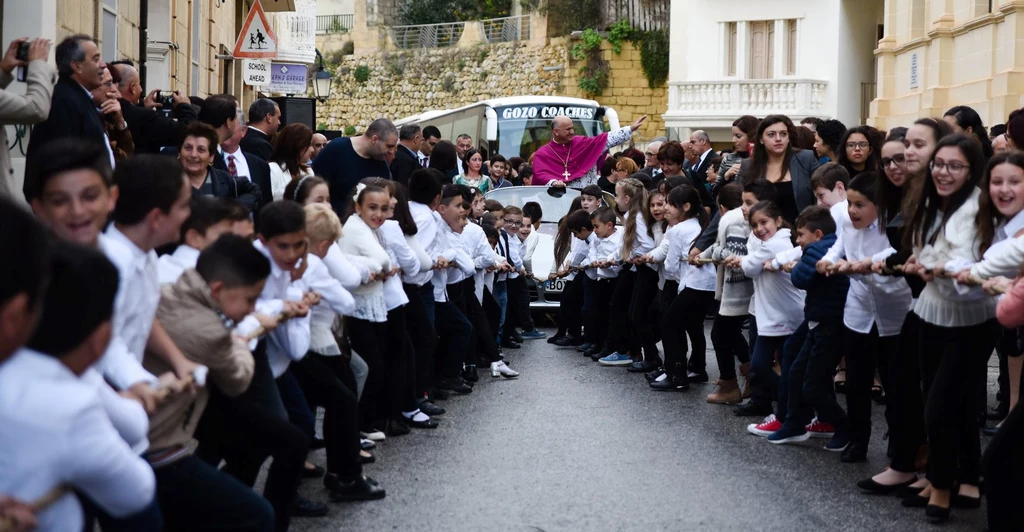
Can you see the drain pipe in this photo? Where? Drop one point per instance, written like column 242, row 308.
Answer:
column 143, row 41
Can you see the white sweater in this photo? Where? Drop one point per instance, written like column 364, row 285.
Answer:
column 732, row 288
column 365, row 246
column 778, row 305
column 681, row 237
column 943, row 301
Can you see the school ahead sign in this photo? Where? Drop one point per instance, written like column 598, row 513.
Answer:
column 257, row 39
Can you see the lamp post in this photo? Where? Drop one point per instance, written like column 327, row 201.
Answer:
column 322, row 80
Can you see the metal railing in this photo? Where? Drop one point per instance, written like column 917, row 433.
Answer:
column 427, row 35
column 507, row 29
column 334, row 23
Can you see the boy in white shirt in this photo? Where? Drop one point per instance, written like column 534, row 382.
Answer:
column 209, row 218
column 604, row 240
column 454, row 329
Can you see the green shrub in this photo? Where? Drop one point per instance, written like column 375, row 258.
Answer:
column 361, row 73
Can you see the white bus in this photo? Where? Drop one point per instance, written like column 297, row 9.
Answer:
column 516, row 126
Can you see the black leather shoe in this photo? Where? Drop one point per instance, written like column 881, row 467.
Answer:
column 670, row 384
column 316, row 472
column 430, row 409
column 555, row 338
column 585, row 347
column 914, row 501
column 568, row 341
column 509, row 344
column 653, row 376
column 455, row 385
column 870, row 486
column 644, row 367
column 317, row 443
column 438, row 394
column 753, row 408
column 963, row 501
column 516, row 337
column 936, row 514
column 855, row 452
column 360, row 489
column 595, row 349
column 469, row 373
column 697, row 376
column 909, row 491
column 397, row 427
column 366, row 457
column 428, row 424
column 303, row 507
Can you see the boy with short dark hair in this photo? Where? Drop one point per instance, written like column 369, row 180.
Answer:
column 506, row 287
column 806, row 379
column 23, row 282
column 829, row 183
column 601, row 275
column 499, row 171
column 591, row 198
column 209, row 218
column 453, row 327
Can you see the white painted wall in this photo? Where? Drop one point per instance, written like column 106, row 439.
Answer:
column 858, row 31
column 335, row 7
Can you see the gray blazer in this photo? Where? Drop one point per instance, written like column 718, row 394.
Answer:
column 16, row 109
column 801, row 166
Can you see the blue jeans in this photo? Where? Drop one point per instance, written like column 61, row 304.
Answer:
column 810, row 387
column 764, row 382
column 501, row 295
column 790, row 350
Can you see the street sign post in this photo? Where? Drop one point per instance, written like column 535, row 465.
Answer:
column 257, row 39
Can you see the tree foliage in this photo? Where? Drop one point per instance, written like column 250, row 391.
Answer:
column 439, row 11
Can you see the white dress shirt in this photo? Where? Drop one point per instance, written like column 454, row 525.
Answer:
column 427, row 238
column 290, row 340
column 681, row 237
column 873, row 299
column 404, row 256
column 366, row 246
column 462, row 266
column 170, row 267
column 106, row 138
column 56, row 432
column 241, row 165
column 475, row 241
column 138, row 294
column 602, row 249
column 508, row 247
column 335, row 300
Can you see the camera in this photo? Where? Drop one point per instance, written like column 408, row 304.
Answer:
column 22, row 53
column 166, row 101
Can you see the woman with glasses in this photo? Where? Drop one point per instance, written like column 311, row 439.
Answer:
column 859, row 149
column 958, row 327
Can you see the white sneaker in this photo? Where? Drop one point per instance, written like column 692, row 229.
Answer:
column 500, row 369
column 372, row 436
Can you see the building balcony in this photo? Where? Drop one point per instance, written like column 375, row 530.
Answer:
column 716, row 104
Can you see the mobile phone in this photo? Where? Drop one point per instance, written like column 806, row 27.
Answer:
column 22, row 55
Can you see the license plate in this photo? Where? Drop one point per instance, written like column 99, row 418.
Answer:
column 555, row 285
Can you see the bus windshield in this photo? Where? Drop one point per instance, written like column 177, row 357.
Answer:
column 523, row 129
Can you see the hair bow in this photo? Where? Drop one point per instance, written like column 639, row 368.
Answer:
column 359, row 190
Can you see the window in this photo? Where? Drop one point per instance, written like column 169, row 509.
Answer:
column 730, row 37
column 109, row 15
column 791, row 49
column 196, row 24
column 762, row 49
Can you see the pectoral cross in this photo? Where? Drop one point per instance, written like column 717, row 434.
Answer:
column 566, row 174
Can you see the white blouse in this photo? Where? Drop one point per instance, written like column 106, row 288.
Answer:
column 778, row 305
column 366, row 246
column 402, row 254
column 681, row 237
column 280, row 177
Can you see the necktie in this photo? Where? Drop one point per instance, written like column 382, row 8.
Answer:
column 423, row 162
column 232, row 169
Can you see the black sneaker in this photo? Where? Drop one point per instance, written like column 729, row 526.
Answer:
column 556, row 338
column 303, row 507
column 587, row 346
column 455, row 385
column 695, row 376
column 753, row 408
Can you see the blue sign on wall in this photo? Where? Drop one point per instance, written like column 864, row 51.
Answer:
column 289, row 78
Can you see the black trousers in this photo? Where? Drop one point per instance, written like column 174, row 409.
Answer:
column 341, row 415
column 685, row 317
column 484, row 344
column 400, row 364
column 517, row 310
column 645, row 292
column 455, row 332
column 420, row 320
column 904, row 410
column 730, row 345
column 570, row 308
column 597, row 295
column 1003, row 465
column 953, row 363
column 810, row 378
column 620, row 335
column 865, row 353
column 248, row 429
column 370, row 340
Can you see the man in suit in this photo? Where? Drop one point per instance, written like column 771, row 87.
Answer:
column 703, row 153
column 651, row 165
column 431, row 136
column 264, row 121
column 407, row 160
column 239, row 163
column 72, row 112
column 151, row 130
column 31, row 108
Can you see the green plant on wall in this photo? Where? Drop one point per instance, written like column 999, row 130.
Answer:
column 593, row 74
column 361, row 73
column 321, row 126
column 654, row 57
column 350, row 130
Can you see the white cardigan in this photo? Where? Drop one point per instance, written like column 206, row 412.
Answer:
column 280, row 177
column 364, row 245
column 778, row 305
column 943, row 301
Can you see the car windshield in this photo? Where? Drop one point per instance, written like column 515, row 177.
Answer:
column 522, row 130
column 552, row 207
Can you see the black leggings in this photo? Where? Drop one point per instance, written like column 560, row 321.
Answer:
column 484, row 344
column 685, row 316
column 730, row 344
column 645, row 292
column 370, row 340
column 904, row 410
column 953, row 363
column 400, row 363
column 420, row 319
column 865, row 352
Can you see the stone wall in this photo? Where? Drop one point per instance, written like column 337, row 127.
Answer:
column 408, row 82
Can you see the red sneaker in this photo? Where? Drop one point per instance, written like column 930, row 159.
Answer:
column 767, row 426
column 820, row 429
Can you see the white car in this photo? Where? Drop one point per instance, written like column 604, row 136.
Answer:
column 544, row 295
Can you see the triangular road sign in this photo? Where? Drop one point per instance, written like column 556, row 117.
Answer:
column 257, row 40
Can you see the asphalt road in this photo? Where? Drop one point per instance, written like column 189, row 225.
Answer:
column 573, row 446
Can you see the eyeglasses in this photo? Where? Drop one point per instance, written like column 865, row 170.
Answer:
column 953, row 167
column 512, row 222
column 898, row 159
column 650, row 155
column 854, row 145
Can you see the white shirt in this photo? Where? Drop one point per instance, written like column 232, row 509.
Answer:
column 427, row 237
column 290, row 340
column 405, row 257
column 643, row 243
column 450, row 242
column 475, row 242
column 366, row 245
column 700, row 160
column 241, row 165
column 602, row 249
column 56, row 432
column 681, row 237
column 530, row 245
column 170, row 267
column 335, row 300
column 138, row 294
column 508, row 247
column 873, row 299
column 106, row 138
column 778, row 305
column 280, row 176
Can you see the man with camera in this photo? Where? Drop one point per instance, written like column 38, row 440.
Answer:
column 16, row 109
column 150, row 128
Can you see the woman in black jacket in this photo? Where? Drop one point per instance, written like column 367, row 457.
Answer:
column 787, row 168
column 196, row 152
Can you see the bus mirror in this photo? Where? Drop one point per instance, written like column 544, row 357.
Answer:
column 492, row 124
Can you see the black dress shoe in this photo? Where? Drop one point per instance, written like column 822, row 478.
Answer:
column 303, row 507
column 595, row 349
column 568, row 341
column 430, row 409
column 644, row 367
column 653, row 376
column 317, row 443
column 316, row 472
column 367, row 458
column 915, row 501
column 585, row 347
column 438, row 394
column 697, row 376
column 870, row 486
column 670, row 384
column 361, row 489
column 428, row 424
column 455, row 385
column 909, row 491
column 963, row 501
column 469, row 373
column 936, row 514
column 753, row 408
column 855, row 452
column 396, row 427
column 509, row 344
column 556, row 338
